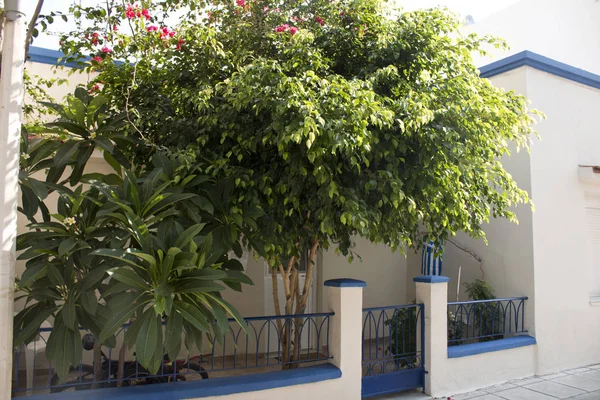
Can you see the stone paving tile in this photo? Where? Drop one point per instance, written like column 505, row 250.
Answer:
column 587, row 396
column 526, row 381
column 521, row 393
column 579, row 382
column 553, row 376
column 555, row 389
column 499, row 388
column 577, row 371
column 593, row 374
column 468, row 396
column 488, row 396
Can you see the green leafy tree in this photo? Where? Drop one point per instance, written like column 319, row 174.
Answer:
column 338, row 118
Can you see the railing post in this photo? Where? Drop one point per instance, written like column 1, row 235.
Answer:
column 432, row 292
column 344, row 299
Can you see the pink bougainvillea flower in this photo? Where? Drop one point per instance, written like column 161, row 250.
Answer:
column 171, row 34
column 115, row 28
column 293, row 30
column 282, row 28
column 146, row 13
column 320, row 20
column 106, row 50
column 94, row 89
column 240, row 3
column 97, row 59
column 130, row 12
column 152, row 28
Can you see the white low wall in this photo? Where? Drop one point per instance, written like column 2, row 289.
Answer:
column 330, row 389
column 448, row 376
column 469, row 373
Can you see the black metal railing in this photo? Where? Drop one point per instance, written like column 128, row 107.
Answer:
column 393, row 338
column 267, row 344
column 484, row 320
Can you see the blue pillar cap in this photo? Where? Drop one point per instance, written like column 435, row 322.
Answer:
column 345, row 282
column 431, row 279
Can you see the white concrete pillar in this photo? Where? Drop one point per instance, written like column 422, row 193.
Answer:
column 11, row 102
column 432, row 292
column 344, row 298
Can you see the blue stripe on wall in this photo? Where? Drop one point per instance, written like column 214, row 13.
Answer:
column 47, row 56
column 541, row 63
column 524, row 58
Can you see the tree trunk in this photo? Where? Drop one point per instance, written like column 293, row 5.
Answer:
column 301, row 300
column 97, row 365
column 121, row 366
column 275, row 287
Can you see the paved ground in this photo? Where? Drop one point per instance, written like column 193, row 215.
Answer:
column 576, row 384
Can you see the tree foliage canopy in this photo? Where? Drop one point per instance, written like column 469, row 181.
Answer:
column 341, row 118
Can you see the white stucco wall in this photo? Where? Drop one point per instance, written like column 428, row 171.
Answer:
column 567, row 325
column 567, row 31
column 384, row 271
column 508, row 256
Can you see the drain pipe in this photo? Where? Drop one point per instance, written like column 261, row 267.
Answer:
column 11, row 102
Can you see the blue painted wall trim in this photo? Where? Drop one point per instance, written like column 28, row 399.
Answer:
column 47, row 56
column 204, row 388
column 431, row 279
column 524, row 58
column 487, row 347
column 345, row 282
column 541, row 63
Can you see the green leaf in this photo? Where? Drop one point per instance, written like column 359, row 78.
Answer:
column 131, row 278
column 230, row 309
column 68, row 314
column 116, row 254
column 112, row 162
column 193, row 315
column 173, row 332
column 188, row 235
column 66, row 246
column 145, row 344
column 54, row 275
column 114, row 323
column 70, row 127
column 65, row 153
column 198, row 286
column 31, row 329
column 89, row 301
column 131, row 333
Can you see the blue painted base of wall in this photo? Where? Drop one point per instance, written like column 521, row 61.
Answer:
column 487, row 347
column 205, row 388
column 392, row 382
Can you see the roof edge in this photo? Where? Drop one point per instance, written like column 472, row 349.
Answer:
column 524, row 58
column 530, row 59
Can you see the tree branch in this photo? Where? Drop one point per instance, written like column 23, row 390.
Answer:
column 32, row 24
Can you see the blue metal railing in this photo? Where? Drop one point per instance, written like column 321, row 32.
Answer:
column 393, row 339
column 260, row 348
column 484, row 320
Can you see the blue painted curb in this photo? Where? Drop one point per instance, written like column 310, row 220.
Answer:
column 205, row 388
column 487, row 347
